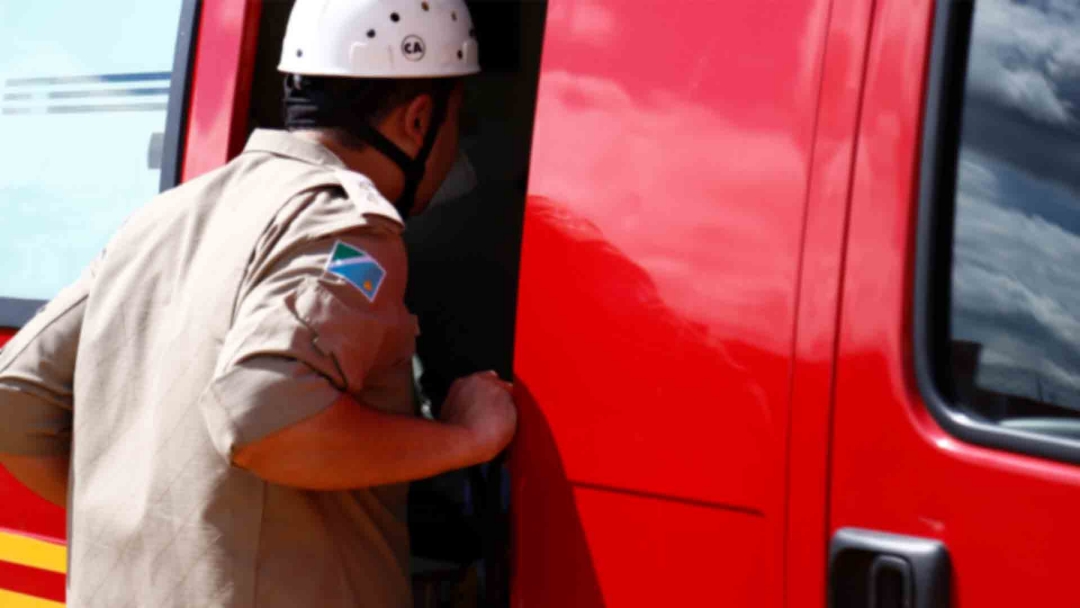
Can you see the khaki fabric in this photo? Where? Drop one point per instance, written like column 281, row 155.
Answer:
column 211, row 321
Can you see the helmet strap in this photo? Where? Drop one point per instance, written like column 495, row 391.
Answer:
column 309, row 103
column 415, row 168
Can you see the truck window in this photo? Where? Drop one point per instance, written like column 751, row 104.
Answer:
column 84, row 94
column 1010, row 357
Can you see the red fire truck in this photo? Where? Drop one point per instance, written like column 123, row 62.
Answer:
column 790, row 291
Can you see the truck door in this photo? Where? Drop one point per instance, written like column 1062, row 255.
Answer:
column 658, row 294
column 956, row 420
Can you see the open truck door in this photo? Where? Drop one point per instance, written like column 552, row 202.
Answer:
column 658, row 299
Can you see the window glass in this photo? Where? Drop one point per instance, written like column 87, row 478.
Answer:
column 1015, row 317
column 83, row 94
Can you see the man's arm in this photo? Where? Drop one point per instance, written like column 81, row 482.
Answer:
column 306, row 340
column 37, row 373
column 350, row 445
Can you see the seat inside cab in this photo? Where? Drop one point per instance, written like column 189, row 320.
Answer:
column 463, row 274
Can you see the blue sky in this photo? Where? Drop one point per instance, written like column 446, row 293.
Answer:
column 69, row 180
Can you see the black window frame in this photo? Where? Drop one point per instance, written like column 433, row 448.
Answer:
column 16, row 312
column 940, row 148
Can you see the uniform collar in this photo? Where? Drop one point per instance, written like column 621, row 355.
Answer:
column 283, row 143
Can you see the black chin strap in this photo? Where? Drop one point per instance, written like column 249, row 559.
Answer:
column 310, row 103
column 412, row 168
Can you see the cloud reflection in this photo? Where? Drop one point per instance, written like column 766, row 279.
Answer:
column 1026, row 56
column 1016, row 291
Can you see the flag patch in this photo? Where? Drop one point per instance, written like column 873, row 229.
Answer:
column 357, row 268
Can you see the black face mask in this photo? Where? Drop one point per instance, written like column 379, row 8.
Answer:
column 309, row 105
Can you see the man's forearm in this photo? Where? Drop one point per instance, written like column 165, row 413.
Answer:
column 46, row 476
column 351, row 445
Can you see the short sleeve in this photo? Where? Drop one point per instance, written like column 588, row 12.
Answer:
column 321, row 320
column 37, row 373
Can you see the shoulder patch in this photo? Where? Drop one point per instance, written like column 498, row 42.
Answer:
column 358, row 269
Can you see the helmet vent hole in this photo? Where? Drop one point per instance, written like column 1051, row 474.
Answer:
column 453, row 15
column 425, row 6
column 460, row 55
column 395, row 17
column 299, row 53
column 371, row 33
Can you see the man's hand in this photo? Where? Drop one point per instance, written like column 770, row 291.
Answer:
column 481, row 404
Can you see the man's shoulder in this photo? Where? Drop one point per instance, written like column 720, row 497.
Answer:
column 363, row 197
column 336, row 202
column 338, row 206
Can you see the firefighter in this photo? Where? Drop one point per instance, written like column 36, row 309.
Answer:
column 230, row 381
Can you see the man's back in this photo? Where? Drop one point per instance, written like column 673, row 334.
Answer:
column 244, row 341
column 189, row 347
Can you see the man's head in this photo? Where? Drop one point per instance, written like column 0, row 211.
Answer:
column 402, row 111
column 382, row 76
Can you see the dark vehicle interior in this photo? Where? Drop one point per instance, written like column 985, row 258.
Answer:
column 463, row 269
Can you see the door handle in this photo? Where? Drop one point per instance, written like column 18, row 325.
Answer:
column 871, row 569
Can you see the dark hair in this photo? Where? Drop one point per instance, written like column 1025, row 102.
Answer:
column 313, row 102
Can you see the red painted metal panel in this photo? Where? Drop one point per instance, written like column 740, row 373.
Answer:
column 658, row 286
column 22, row 509
column 838, row 115
column 221, row 84
column 32, row 581
column 1008, row 520
column 25, row 512
column 640, row 549
column 586, row 547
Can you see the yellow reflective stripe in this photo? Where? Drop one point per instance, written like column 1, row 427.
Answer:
column 9, row 599
column 26, row 551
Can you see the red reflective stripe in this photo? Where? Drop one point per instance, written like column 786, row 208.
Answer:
column 31, row 581
column 23, row 512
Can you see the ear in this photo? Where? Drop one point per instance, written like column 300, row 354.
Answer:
column 417, row 119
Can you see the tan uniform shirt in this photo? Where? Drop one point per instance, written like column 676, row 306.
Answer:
column 227, row 309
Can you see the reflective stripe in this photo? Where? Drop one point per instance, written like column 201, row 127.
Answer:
column 18, row 600
column 26, row 551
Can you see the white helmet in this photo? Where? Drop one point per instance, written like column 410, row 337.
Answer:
column 380, row 39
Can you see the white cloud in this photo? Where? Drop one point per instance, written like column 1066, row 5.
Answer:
column 587, row 21
column 1021, row 55
column 1035, row 94
column 976, row 178
column 1065, row 62
column 1015, row 288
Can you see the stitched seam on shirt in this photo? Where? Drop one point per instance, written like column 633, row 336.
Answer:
column 313, row 286
column 230, row 421
column 321, row 291
column 279, row 253
column 337, row 365
column 36, row 390
column 239, row 296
